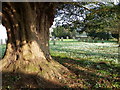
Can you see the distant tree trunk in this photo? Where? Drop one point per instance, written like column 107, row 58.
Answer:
column 27, row 51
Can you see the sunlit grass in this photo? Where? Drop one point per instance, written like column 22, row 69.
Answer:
column 107, row 52
column 95, row 64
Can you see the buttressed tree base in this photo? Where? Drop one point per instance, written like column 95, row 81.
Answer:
column 27, row 52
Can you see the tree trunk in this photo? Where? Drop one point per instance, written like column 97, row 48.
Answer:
column 27, row 51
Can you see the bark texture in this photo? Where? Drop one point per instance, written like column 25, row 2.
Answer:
column 27, row 51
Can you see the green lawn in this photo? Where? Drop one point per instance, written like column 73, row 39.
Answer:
column 2, row 50
column 95, row 65
column 107, row 52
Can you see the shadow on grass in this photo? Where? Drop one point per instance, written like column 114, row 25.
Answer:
column 19, row 80
column 91, row 79
column 87, row 63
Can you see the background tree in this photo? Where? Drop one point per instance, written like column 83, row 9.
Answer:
column 61, row 31
column 105, row 20
column 96, row 18
column 71, row 15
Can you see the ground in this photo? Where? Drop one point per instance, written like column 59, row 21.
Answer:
column 93, row 65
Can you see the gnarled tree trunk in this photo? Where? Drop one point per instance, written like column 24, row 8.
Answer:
column 27, row 51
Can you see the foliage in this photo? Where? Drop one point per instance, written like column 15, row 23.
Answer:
column 104, row 19
column 93, row 17
column 100, row 35
column 71, row 15
column 62, row 32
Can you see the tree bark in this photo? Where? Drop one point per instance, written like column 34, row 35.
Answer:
column 27, row 51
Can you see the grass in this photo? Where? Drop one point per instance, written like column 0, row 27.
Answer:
column 107, row 52
column 93, row 65
column 2, row 50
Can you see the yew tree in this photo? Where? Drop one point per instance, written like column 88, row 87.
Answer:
column 27, row 25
